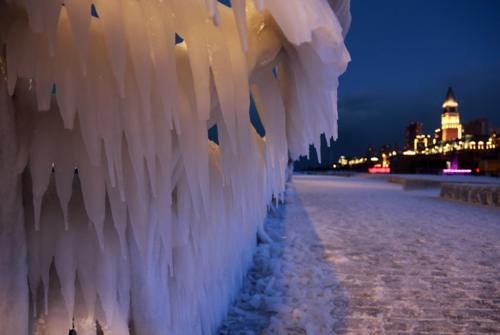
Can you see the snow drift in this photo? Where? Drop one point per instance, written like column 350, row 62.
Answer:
column 116, row 211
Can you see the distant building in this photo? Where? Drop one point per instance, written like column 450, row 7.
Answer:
column 479, row 127
column 413, row 130
column 450, row 119
column 327, row 152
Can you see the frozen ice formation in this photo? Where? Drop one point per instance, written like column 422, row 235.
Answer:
column 115, row 207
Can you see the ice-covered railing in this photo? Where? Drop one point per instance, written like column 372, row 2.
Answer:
column 114, row 205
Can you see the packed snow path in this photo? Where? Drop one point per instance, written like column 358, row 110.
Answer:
column 362, row 256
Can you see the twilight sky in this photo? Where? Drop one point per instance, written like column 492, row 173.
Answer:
column 405, row 54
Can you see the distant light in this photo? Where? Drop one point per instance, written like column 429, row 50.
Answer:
column 374, row 159
column 334, row 166
column 379, row 170
column 478, row 170
column 457, row 171
column 409, row 153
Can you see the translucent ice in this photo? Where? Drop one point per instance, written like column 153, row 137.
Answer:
column 116, row 208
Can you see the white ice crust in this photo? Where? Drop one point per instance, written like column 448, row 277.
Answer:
column 114, row 205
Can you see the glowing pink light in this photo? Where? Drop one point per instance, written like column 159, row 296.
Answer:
column 457, row 171
column 379, row 170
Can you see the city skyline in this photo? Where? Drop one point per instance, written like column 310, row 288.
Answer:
column 453, row 148
column 398, row 76
column 328, row 152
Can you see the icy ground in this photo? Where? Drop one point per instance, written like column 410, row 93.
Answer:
column 362, row 256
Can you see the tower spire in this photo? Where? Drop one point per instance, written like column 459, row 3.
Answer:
column 450, row 101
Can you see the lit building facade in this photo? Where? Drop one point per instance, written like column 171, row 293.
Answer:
column 451, row 128
column 421, row 143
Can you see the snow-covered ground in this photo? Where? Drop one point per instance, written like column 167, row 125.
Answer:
column 362, row 256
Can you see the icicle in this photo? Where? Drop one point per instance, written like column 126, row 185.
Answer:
column 49, row 215
column 107, row 120
column 34, row 262
column 195, row 41
column 119, row 213
column 52, row 10
column 240, row 80
column 162, row 36
column 111, row 15
column 137, row 201
column 92, row 185
column 43, row 73
column 239, row 8
column 212, row 11
column 222, row 71
column 67, row 73
column 86, row 253
column 193, row 149
column 79, row 15
column 42, row 157
column 64, row 169
column 65, row 264
column 35, row 14
column 139, row 50
column 132, row 126
column 106, row 272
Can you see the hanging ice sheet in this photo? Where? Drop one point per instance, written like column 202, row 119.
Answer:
column 115, row 206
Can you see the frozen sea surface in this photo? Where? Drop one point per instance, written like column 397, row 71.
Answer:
column 362, row 256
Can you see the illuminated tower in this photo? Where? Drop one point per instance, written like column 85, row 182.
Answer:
column 450, row 119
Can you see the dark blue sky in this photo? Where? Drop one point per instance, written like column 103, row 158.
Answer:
column 404, row 56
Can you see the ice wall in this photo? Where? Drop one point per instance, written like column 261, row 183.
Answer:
column 114, row 205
